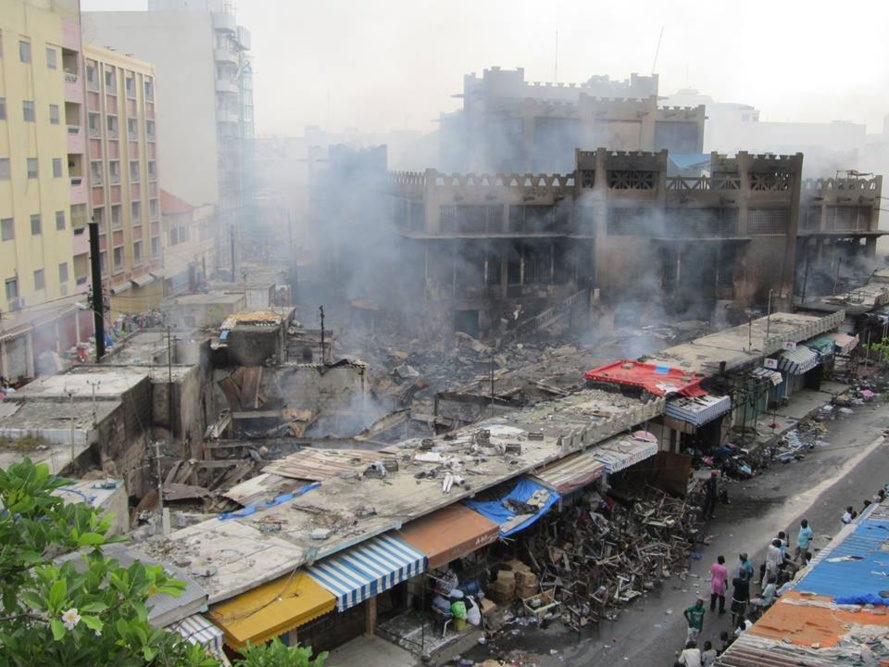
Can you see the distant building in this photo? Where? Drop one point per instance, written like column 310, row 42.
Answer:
column 123, row 177
column 202, row 57
column 482, row 253
column 189, row 249
column 43, row 183
column 510, row 125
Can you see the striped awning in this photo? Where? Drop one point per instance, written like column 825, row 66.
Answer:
column 367, row 570
column 763, row 373
column 620, row 453
column 698, row 410
column 844, row 342
column 571, row 473
column 798, row 361
column 198, row 630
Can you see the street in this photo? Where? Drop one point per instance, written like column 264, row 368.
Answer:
column 848, row 470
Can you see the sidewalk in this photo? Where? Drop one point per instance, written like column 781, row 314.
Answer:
column 368, row 651
column 803, row 405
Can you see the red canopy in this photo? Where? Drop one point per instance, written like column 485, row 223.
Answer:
column 658, row 380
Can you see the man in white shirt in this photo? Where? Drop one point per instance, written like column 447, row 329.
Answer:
column 691, row 656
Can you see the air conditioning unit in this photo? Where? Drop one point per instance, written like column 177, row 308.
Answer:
column 16, row 304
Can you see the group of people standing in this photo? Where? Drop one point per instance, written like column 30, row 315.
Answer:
column 776, row 574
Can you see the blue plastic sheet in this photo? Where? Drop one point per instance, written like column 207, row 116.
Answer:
column 497, row 512
column 279, row 500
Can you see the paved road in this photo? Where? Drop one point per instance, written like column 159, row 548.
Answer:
column 851, row 468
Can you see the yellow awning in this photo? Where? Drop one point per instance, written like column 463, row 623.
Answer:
column 271, row 610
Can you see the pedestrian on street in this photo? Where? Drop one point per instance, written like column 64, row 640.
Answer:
column 708, row 655
column 695, row 617
column 740, row 597
column 804, row 537
column 690, row 656
column 849, row 515
column 774, row 560
column 718, row 584
column 711, row 486
column 726, row 638
column 746, row 569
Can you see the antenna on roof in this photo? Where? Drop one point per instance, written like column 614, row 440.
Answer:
column 657, row 51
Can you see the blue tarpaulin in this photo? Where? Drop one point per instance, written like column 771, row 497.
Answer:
column 499, row 513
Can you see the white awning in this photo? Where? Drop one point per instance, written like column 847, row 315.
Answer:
column 798, row 361
column 143, row 280
column 121, row 287
column 698, row 410
column 198, row 630
column 767, row 374
column 620, row 453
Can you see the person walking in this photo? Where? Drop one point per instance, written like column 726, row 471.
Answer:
column 711, row 487
column 740, row 597
column 774, row 560
column 804, row 537
column 718, row 584
column 746, row 569
column 694, row 615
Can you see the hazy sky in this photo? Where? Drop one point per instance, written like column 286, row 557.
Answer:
column 382, row 65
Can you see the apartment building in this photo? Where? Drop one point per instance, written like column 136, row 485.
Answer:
column 189, row 251
column 124, row 194
column 43, row 194
column 202, row 57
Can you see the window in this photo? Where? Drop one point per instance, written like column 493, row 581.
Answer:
column 130, row 84
column 134, row 171
column 118, row 258
column 28, row 111
column 95, row 125
column 136, row 212
column 39, row 280
column 5, row 169
column 110, row 81
column 116, row 217
column 51, row 56
column 60, row 220
column 54, row 114
column 96, row 172
column 25, row 51
column 35, row 225
column 92, row 77
column 153, row 208
column 2, row 108
column 12, row 289
column 152, row 171
column 7, row 229
column 32, row 167
column 57, row 167
column 63, row 272
column 137, row 251
column 155, row 246
column 149, row 129
column 132, row 129
column 114, row 170
column 112, row 127
column 103, row 262
column 149, row 90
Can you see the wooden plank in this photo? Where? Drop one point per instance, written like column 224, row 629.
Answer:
column 232, row 393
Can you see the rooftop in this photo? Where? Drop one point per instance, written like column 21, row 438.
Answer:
column 82, row 382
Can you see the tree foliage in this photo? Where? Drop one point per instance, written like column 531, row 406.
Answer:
column 63, row 602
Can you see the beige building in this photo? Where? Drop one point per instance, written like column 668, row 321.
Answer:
column 123, row 177
column 188, row 244
column 43, row 198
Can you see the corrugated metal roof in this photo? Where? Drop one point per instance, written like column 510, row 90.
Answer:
column 798, row 361
column 572, row 473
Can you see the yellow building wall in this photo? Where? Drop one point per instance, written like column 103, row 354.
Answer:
column 20, row 196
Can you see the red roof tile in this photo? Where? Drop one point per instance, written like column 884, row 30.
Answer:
column 171, row 204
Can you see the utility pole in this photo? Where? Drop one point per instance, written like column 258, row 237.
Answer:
column 321, row 308
column 768, row 322
column 170, row 379
column 98, row 300
column 94, row 385
column 71, row 408
column 160, row 480
column 492, row 384
column 231, row 234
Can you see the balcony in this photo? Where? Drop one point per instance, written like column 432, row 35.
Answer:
column 226, row 56
column 227, row 116
column 226, row 86
column 225, row 22
column 78, row 190
column 76, row 140
column 244, row 38
column 73, row 89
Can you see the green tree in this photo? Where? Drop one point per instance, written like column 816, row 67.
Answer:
column 276, row 654
column 63, row 602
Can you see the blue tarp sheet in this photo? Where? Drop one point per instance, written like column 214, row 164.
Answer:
column 496, row 511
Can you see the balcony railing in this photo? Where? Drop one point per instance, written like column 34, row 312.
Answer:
column 71, row 77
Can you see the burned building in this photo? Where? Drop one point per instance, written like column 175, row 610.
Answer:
column 509, row 124
column 482, row 253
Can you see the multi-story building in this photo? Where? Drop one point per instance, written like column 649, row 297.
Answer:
column 43, row 191
column 480, row 250
column 202, row 58
column 509, row 124
column 189, row 251
column 124, row 193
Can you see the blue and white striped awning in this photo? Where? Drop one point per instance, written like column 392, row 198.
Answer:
column 198, row 630
column 798, row 361
column 698, row 410
column 367, row 570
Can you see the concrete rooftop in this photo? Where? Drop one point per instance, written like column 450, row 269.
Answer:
column 81, row 382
